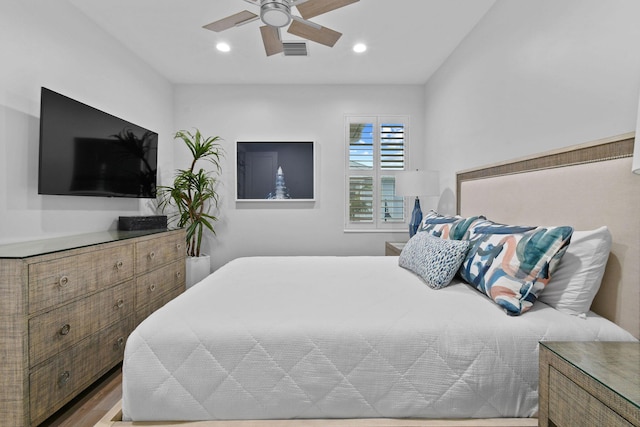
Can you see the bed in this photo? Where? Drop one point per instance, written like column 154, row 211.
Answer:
column 363, row 341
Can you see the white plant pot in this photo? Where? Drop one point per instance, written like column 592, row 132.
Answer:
column 197, row 269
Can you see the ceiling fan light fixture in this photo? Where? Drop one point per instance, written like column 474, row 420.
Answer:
column 276, row 13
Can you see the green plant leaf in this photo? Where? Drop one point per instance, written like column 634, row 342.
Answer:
column 193, row 193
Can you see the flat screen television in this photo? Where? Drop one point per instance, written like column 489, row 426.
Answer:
column 87, row 152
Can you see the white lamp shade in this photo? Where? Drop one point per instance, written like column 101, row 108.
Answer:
column 418, row 183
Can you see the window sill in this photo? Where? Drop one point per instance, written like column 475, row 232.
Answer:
column 376, row 230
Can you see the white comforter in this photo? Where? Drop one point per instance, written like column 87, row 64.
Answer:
column 338, row 337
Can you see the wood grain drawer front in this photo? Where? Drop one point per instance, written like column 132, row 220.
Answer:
column 148, row 309
column 152, row 285
column 51, row 332
column 570, row 405
column 55, row 382
column 150, row 254
column 61, row 280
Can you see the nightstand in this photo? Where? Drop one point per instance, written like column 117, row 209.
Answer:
column 393, row 248
column 589, row 384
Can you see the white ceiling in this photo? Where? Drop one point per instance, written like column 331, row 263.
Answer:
column 407, row 40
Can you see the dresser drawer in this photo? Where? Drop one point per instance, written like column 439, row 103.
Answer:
column 51, row 332
column 152, row 253
column 58, row 281
column 145, row 311
column 570, row 405
column 152, row 285
column 55, row 382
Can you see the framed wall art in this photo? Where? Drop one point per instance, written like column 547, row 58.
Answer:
column 275, row 171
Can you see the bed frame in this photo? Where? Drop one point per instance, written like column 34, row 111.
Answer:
column 587, row 186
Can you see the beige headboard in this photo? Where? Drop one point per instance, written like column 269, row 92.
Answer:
column 585, row 186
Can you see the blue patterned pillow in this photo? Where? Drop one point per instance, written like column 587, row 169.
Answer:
column 435, row 260
column 448, row 227
column 513, row 264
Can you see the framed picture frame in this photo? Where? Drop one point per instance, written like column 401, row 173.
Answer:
column 275, row 171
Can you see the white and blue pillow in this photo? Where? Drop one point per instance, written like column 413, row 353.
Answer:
column 513, row 264
column 434, row 259
column 448, row 227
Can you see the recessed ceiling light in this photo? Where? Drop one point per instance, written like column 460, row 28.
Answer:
column 359, row 47
column 223, row 47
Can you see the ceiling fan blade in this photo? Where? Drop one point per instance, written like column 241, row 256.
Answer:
column 231, row 21
column 322, row 35
column 271, row 40
column 311, row 8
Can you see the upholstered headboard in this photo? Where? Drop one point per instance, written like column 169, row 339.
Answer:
column 585, row 186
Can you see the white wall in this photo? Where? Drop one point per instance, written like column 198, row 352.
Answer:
column 292, row 112
column 533, row 76
column 50, row 43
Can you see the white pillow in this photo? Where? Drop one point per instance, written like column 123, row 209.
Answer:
column 577, row 278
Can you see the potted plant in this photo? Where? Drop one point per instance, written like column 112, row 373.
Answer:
column 194, row 194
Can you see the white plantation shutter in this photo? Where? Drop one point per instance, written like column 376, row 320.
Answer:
column 392, row 146
column 361, row 146
column 391, row 206
column 361, row 199
column 376, row 150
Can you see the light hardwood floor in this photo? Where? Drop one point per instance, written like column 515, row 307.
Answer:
column 89, row 407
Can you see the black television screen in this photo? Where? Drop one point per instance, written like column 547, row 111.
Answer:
column 87, row 152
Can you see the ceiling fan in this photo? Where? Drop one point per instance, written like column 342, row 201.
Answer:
column 276, row 14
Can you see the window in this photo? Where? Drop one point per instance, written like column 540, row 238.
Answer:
column 376, row 151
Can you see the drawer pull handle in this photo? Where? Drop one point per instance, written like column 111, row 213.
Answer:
column 65, row 329
column 120, row 303
column 120, row 342
column 178, row 274
column 152, row 255
column 179, row 246
column 119, row 265
column 63, row 281
column 64, row 378
column 152, row 287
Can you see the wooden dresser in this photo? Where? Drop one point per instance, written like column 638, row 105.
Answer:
column 67, row 306
column 589, row 384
